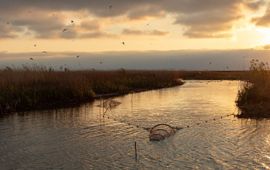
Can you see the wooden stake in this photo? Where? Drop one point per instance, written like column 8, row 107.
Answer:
column 103, row 108
column 136, row 155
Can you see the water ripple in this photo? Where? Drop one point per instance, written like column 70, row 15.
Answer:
column 80, row 138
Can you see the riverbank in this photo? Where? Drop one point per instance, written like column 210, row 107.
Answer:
column 41, row 88
column 254, row 96
column 213, row 75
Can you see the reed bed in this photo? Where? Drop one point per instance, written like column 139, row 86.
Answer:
column 42, row 88
column 213, row 75
column 254, row 96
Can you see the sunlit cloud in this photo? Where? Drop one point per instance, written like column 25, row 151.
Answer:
column 266, row 47
column 179, row 23
column 263, row 20
column 140, row 32
column 90, row 25
column 97, row 35
column 146, row 12
column 209, row 19
column 7, row 31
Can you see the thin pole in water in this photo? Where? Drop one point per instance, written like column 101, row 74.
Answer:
column 100, row 103
column 131, row 102
column 103, row 108
column 136, row 155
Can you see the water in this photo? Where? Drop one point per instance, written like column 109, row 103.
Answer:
column 80, row 138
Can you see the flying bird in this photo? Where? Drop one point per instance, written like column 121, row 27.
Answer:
column 64, row 30
column 77, row 56
column 31, row 58
column 72, row 21
column 123, row 43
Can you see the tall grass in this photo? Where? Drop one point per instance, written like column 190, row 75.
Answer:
column 39, row 87
column 254, row 96
column 213, row 75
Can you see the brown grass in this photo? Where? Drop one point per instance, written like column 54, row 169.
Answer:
column 213, row 75
column 254, row 97
column 42, row 88
column 39, row 88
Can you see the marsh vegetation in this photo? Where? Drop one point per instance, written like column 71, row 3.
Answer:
column 254, row 96
column 37, row 87
column 40, row 87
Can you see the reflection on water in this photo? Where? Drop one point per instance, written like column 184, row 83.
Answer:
column 80, row 138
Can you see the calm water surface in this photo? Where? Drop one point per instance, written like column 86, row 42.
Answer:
column 80, row 138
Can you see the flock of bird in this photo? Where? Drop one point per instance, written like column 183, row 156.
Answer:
column 73, row 22
column 65, row 30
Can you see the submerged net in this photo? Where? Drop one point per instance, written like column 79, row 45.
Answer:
column 160, row 132
column 109, row 104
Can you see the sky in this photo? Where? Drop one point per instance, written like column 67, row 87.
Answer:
column 67, row 27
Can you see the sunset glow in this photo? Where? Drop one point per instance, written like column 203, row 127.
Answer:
column 135, row 84
column 103, row 26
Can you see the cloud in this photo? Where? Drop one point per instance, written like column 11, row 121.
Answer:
column 255, row 5
column 263, row 20
column 6, row 31
column 42, row 27
column 208, row 24
column 146, row 12
column 90, row 25
column 265, row 47
column 201, row 19
column 97, row 34
column 180, row 60
column 97, row 7
column 140, row 32
column 50, row 26
column 211, row 19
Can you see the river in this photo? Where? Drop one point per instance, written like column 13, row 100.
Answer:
column 80, row 138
